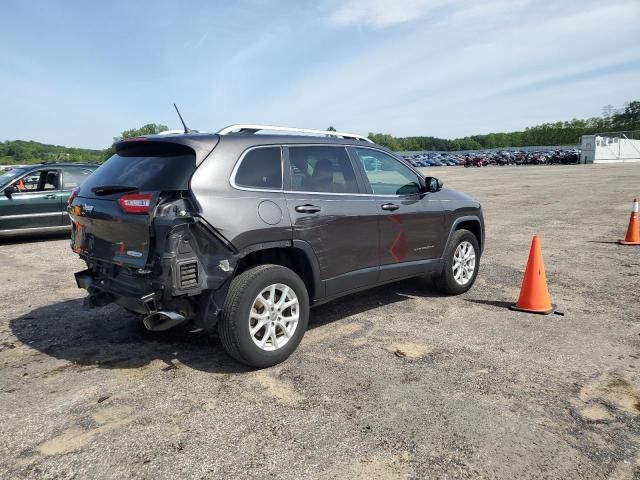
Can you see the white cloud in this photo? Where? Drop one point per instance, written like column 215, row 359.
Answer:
column 447, row 77
column 381, row 13
column 407, row 67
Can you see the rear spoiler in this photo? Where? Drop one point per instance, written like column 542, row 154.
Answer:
column 201, row 144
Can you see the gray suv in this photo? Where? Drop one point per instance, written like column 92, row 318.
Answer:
column 244, row 232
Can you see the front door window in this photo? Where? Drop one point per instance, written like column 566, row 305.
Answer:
column 386, row 175
column 38, row 181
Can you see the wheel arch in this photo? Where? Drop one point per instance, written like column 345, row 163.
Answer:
column 297, row 255
column 473, row 223
column 443, row 280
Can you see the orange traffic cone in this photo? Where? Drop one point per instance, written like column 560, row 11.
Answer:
column 534, row 294
column 633, row 232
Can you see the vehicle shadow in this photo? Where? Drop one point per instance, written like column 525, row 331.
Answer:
column 110, row 337
column 361, row 302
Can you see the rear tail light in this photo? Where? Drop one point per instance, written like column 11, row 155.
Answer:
column 135, row 202
column 74, row 194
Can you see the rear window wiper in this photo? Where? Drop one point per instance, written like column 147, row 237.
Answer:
column 107, row 189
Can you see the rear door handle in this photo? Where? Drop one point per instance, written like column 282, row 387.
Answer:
column 389, row 207
column 49, row 195
column 307, row 209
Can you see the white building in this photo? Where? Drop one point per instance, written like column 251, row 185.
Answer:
column 609, row 149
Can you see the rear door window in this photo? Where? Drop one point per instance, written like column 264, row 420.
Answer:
column 321, row 169
column 260, row 168
column 74, row 176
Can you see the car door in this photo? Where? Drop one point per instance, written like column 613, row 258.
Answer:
column 411, row 222
column 36, row 202
column 331, row 211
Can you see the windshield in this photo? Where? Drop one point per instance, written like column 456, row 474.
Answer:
column 9, row 176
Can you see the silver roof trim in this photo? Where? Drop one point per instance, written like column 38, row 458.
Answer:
column 241, row 128
column 179, row 132
column 171, row 132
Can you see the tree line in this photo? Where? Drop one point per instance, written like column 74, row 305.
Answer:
column 22, row 151
column 558, row 133
column 16, row 152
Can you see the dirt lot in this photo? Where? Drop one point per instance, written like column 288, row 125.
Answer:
column 481, row 392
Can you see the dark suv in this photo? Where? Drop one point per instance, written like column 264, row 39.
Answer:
column 247, row 231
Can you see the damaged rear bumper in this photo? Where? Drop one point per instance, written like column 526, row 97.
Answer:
column 159, row 310
column 189, row 278
column 103, row 291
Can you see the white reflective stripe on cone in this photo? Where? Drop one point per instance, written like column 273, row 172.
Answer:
column 634, row 207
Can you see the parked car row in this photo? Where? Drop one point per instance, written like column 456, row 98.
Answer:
column 500, row 158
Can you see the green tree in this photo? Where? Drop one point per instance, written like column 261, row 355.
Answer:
column 148, row 129
column 629, row 118
column 557, row 133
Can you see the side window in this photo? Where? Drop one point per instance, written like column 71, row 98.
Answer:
column 28, row 183
column 386, row 175
column 74, row 176
column 261, row 168
column 49, row 180
column 38, row 181
column 321, row 169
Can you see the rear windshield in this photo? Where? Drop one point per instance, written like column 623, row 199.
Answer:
column 146, row 173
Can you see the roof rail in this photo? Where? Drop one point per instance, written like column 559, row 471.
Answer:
column 173, row 132
column 240, row 128
column 170, row 132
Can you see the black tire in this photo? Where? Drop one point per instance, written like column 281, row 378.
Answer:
column 445, row 282
column 233, row 326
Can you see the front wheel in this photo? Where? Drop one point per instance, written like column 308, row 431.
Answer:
column 461, row 262
column 265, row 315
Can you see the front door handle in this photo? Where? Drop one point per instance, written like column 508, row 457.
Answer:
column 307, row 209
column 49, row 196
column 389, row 207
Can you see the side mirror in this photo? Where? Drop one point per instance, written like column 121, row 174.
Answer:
column 410, row 189
column 433, row 184
column 10, row 190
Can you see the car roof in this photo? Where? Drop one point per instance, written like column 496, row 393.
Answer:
column 258, row 139
column 58, row 164
column 203, row 143
column 267, row 139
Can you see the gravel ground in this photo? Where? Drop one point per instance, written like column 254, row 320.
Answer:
column 479, row 391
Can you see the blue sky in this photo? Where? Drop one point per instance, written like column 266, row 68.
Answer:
column 77, row 73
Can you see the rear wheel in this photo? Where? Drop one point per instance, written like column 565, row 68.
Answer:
column 265, row 315
column 461, row 262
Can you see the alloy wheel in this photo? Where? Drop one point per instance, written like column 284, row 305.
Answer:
column 464, row 263
column 273, row 318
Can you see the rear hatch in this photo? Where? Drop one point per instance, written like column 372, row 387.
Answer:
column 112, row 212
